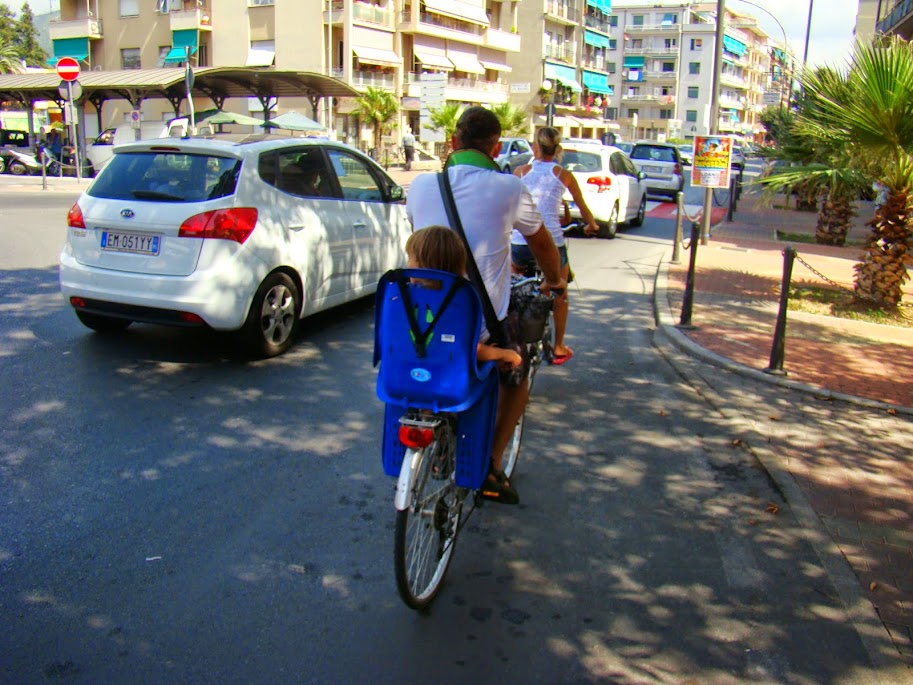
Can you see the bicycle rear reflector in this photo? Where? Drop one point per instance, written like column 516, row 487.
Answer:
column 415, row 437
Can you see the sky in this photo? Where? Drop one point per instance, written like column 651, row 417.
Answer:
column 831, row 30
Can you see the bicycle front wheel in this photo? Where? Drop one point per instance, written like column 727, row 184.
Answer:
column 426, row 531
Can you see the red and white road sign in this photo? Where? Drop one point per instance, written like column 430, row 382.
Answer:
column 68, row 68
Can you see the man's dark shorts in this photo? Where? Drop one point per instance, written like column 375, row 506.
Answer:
column 523, row 257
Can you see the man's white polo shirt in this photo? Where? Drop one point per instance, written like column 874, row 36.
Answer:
column 490, row 205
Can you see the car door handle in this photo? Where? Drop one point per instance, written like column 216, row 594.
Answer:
column 297, row 227
column 359, row 224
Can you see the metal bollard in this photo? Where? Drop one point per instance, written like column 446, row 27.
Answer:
column 44, row 171
column 688, row 299
column 731, row 210
column 679, row 214
column 778, row 349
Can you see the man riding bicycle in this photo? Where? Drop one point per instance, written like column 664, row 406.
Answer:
column 490, row 205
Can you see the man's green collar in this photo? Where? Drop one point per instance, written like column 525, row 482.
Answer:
column 472, row 158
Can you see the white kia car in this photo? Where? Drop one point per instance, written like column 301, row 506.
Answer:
column 247, row 236
column 612, row 186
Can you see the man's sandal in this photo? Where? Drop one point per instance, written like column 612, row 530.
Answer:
column 498, row 489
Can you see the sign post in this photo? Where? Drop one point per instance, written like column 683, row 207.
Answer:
column 68, row 70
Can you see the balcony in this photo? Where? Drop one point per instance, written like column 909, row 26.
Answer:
column 443, row 27
column 198, row 19
column 664, row 76
column 502, row 40
column 561, row 53
column 651, row 50
column 88, row 27
column 367, row 79
column 899, row 20
column 654, row 28
column 562, row 13
column 597, row 22
column 470, row 89
column 733, row 80
column 594, row 63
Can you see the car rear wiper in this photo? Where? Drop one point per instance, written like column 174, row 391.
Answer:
column 155, row 195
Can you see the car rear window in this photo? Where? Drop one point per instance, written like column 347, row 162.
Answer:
column 575, row 160
column 159, row 176
column 653, row 153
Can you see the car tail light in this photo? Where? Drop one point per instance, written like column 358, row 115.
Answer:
column 415, row 437
column 223, row 224
column 678, row 170
column 74, row 217
column 190, row 317
column 602, row 183
column 77, row 302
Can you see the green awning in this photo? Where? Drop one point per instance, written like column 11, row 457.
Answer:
column 635, row 62
column 185, row 38
column 602, row 5
column 595, row 39
column 566, row 75
column 736, row 47
column 77, row 48
column 597, row 83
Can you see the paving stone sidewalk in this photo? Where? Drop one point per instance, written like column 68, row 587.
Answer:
column 840, row 423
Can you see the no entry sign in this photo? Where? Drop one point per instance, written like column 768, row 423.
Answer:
column 68, row 68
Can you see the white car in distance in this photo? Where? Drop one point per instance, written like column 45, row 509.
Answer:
column 245, row 236
column 611, row 185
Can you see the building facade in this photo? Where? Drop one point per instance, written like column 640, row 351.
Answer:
column 638, row 69
column 892, row 17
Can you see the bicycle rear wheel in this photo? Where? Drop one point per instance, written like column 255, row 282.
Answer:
column 512, row 451
column 426, row 531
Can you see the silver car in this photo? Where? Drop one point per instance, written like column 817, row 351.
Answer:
column 514, row 153
column 662, row 164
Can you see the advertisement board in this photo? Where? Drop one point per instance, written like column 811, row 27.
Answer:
column 710, row 165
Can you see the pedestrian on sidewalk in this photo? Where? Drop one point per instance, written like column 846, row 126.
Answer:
column 409, row 147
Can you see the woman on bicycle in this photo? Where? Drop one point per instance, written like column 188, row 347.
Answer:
column 547, row 181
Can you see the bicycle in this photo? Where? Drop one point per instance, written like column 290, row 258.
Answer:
column 536, row 331
column 437, row 437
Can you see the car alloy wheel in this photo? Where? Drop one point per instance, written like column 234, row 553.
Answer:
column 641, row 213
column 608, row 229
column 273, row 318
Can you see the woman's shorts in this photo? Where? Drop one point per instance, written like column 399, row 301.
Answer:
column 523, row 258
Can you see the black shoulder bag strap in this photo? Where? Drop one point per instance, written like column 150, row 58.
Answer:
column 421, row 338
column 492, row 323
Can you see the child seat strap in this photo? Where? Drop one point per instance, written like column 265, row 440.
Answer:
column 420, row 339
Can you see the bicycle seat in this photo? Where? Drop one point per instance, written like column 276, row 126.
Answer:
column 425, row 340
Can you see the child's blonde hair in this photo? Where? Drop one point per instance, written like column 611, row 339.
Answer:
column 437, row 247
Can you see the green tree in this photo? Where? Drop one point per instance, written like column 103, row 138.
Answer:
column 444, row 120
column 381, row 108
column 867, row 110
column 26, row 40
column 7, row 26
column 514, row 120
column 9, row 58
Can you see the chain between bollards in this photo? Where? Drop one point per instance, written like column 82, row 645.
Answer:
column 679, row 216
column 688, row 300
column 778, row 349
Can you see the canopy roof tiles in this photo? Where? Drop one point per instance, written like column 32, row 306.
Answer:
column 217, row 83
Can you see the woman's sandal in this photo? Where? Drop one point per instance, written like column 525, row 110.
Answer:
column 497, row 488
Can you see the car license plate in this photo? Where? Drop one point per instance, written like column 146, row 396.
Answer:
column 135, row 243
column 653, row 169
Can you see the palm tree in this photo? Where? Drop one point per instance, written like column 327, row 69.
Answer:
column 867, row 110
column 9, row 59
column 445, row 120
column 514, row 120
column 381, row 108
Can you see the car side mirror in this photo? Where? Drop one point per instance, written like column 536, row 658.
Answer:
column 397, row 193
column 641, row 175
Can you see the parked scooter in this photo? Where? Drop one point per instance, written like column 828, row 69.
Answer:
column 21, row 163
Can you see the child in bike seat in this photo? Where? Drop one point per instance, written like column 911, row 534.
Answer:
column 438, row 247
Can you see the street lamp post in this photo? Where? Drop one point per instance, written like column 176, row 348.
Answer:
column 789, row 86
column 547, row 86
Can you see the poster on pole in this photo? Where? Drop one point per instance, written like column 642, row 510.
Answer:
column 710, row 164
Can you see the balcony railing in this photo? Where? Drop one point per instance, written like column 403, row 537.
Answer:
column 597, row 63
column 372, row 14
column 597, row 23
column 650, row 50
column 196, row 18
column 896, row 16
column 657, row 75
column 653, row 28
column 76, row 28
column 502, row 40
column 561, row 53
column 562, row 10
column 447, row 23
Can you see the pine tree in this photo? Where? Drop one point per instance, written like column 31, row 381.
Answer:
column 26, row 38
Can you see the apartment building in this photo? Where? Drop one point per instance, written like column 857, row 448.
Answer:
column 891, row 17
column 456, row 48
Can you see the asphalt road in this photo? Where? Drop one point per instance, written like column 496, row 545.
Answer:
column 172, row 514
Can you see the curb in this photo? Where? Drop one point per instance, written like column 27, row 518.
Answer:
column 872, row 632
